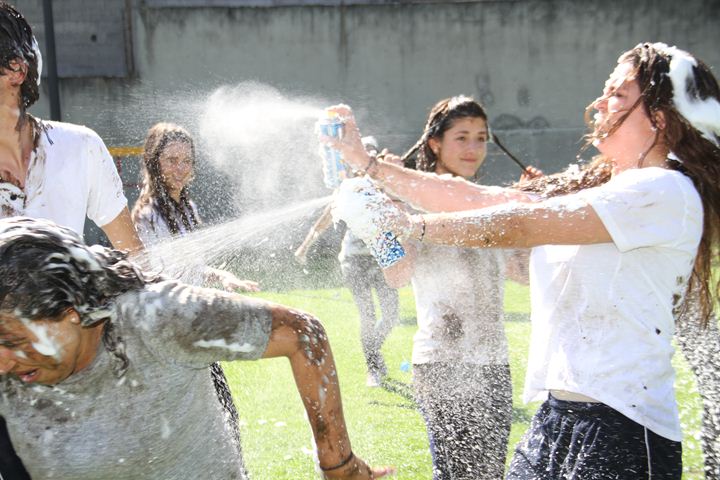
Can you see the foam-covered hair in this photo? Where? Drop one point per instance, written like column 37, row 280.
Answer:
column 46, row 268
column 702, row 113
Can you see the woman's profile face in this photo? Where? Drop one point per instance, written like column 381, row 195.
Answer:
column 636, row 135
column 462, row 149
column 176, row 165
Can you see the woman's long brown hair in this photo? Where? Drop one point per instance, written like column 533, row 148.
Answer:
column 698, row 159
column 153, row 189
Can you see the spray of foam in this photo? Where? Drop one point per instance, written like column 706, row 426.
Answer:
column 218, row 243
column 265, row 141
column 704, row 115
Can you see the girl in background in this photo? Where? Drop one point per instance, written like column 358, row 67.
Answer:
column 361, row 274
column 164, row 207
column 461, row 373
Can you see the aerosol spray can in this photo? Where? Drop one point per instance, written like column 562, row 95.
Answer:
column 334, row 170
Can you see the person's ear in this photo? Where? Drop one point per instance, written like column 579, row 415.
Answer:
column 71, row 315
column 434, row 145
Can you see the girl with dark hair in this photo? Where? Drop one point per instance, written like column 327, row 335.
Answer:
column 104, row 369
column 164, row 207
column 616, row 246
column 461, row 373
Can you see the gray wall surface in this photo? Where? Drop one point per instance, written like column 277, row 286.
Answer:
column 534, row 64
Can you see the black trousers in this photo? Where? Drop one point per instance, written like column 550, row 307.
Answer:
column 591, row 441
column 11, row 467
column 467, row 409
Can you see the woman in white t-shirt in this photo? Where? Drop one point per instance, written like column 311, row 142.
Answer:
column 616, row 245
column 164, row 209
column 461, row 374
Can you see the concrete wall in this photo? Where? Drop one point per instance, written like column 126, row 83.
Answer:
column 534, row 64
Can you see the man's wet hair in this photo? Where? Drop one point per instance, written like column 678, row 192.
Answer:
column 18, row 43
column 46, row 269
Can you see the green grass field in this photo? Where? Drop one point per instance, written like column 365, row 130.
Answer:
column 385, row 427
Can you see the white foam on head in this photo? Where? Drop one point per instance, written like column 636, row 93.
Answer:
column 86, row 257
column 38, row 55
column 703, row 115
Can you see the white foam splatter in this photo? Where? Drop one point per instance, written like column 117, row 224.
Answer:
column 38, row 55
column 704, row 115
column 45, row 344
column 165, row 430
column 221, row 343
column 151, row 309
column 362, row 206
column 84, row 255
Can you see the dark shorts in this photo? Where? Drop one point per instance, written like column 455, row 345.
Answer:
column 591, row 441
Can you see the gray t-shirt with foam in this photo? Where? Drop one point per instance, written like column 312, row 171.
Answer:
column 161, row 419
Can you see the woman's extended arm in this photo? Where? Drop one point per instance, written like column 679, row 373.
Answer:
column 229, row 281
column 426, row 191
column 321, row 224
column 510, row 226
column 302, row 339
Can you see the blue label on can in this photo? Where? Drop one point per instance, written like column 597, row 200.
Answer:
column 387, row 249
column 333, row 166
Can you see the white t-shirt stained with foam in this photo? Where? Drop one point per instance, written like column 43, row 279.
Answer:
column 602, row 315
column 71, row 175
column 459, row 296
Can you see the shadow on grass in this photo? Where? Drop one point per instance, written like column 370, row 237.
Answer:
column 520, row 415
column 406, row 406
column 402, row 389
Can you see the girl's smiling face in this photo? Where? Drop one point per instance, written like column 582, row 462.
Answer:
column 463, row 147
column 176, row 166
